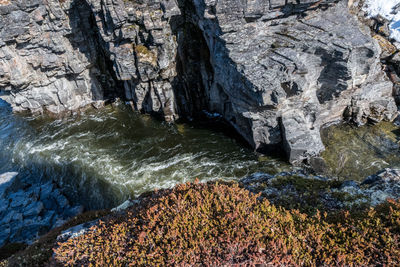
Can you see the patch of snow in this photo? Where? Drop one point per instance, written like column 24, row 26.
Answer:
column 388, row 9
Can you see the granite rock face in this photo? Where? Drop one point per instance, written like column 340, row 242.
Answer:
column 137, row 38
column 276, row 70
column 385, row 29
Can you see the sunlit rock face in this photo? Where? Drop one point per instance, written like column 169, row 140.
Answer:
column 279, row 72
column 46, row 61
column 275, row 70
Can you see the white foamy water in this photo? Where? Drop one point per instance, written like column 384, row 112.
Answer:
column 101, row 158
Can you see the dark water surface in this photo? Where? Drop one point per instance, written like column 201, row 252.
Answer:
column 102, row 157
column 357, row 152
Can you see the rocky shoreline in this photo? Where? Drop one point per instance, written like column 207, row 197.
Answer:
column 293, row 190
column 36, row 209
column 299, row 190
column 28, row 210
column 275, row 71
column 290, row 190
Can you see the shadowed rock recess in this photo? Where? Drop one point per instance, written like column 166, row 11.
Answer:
column 276, row 70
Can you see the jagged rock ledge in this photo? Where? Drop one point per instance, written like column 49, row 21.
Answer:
column 277, row 71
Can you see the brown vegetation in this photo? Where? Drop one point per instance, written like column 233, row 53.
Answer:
column 223, row 224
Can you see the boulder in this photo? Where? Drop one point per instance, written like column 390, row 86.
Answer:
column 29, row 210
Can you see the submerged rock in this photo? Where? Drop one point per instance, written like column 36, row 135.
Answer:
column 275, row 70
column 355, row 152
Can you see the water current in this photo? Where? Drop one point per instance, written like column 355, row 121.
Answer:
column 102, row 157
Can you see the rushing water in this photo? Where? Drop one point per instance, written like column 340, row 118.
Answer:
column 102, row 157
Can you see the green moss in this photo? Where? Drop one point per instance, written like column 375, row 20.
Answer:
column 304, row 194
column 141, row 49
column 132, row 27
column 305, row 184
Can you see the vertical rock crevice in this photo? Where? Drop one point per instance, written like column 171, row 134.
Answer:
column 277, row 71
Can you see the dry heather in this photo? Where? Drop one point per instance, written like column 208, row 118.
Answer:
column 223, row 224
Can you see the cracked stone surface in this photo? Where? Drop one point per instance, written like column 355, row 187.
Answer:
column 29, row 210
column 277, row 70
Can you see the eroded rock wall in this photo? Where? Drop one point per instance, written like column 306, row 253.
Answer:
column 281, row 71
column 137, row 38
column 47, row 58
column 276, row 70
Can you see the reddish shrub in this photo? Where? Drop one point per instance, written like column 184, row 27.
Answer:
column 223, row 224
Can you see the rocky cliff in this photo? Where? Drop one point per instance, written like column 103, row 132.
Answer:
column 276, row 70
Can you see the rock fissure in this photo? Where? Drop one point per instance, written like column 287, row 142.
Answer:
column 276, row 71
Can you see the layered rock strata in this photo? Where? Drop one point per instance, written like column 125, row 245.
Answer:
column 276, row 70
column 46, row 61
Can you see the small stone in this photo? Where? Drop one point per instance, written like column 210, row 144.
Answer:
column 390, row 175
column 46, row 190
column 128, row 203
column 62, row 201
column 19, row 199
column 49, row 203
column 11, row 217
column 256, row 178
column 48, row 218
column 59, row 222
column 76, row 231
column 378, row 197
